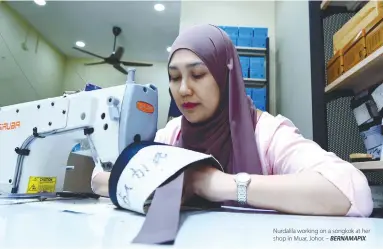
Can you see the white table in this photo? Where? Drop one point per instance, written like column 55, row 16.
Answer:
column 97, row 224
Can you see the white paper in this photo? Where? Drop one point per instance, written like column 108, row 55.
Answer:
column 377, row 96
column 150, row 168
column 361, row 114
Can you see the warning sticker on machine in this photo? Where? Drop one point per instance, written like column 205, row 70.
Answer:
column 41, row 184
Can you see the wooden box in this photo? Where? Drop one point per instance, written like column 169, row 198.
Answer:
column 335, row 67
column 365, row 19
column 374, row 38
column 355, row 51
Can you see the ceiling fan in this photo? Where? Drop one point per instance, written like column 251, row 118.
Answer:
column 115, row 58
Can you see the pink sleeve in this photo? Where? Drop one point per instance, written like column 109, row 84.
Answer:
column 169, row 134
column 289, row 152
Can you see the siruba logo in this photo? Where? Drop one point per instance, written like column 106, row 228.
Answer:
column 145, row 107
column 9, row 126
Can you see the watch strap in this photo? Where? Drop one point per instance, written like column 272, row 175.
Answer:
column 242, row 194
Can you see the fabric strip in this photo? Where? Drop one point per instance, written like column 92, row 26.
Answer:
column 163, row 218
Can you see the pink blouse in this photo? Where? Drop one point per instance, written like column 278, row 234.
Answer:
column 283, row 150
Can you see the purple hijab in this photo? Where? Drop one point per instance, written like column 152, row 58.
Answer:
column 228, row 135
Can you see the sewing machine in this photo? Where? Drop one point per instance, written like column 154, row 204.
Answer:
column 37, row 137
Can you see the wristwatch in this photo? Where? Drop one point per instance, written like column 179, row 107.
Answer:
column 243, row 180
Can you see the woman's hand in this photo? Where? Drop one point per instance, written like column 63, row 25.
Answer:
column 208, row 183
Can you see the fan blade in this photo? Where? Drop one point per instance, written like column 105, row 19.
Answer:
column 118, row 53
column 121, row 69
column 95, row 63
column 86, row 52
column 136, row 64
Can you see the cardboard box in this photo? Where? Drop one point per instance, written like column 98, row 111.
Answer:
column 374, row 38
column 355, row 51
column 335, row 67
column 365, row 19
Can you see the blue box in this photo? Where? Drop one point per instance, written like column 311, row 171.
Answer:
column 249, row 92
column 256, row 62
column 258, row 94
column 258, row 42
column 262, row 32
column 261, row 105
column 245, row 32
column 257, row 74
column 245, row 72
column 259, row 70
column 244, row 42
column 245, row 62
column 233, row 40
column 231, row 31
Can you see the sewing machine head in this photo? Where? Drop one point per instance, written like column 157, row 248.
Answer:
column 37, row 137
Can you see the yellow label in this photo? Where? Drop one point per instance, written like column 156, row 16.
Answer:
column 41, row 184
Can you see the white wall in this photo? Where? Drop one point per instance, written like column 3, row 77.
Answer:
column 235, row 13
column 293, row 63
column 26, row 74
column 77, row 75
column 42, row 71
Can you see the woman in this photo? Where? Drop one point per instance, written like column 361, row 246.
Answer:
column 288, row 173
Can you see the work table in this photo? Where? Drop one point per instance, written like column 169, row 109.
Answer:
column 97, row 224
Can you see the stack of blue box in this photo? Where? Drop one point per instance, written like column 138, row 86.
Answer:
column 257, row 68
column 247, row 36
column 258, row 95
column 252, row 67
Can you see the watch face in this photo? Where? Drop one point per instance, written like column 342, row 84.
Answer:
column 243, row 177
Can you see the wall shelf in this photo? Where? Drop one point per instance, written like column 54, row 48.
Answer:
column 350, row 5
column 251, row 51
column 366, row 73
column 240, row 49
column 254, row 82
column 370, row 165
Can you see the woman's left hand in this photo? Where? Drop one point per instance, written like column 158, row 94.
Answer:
column 208, row 183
